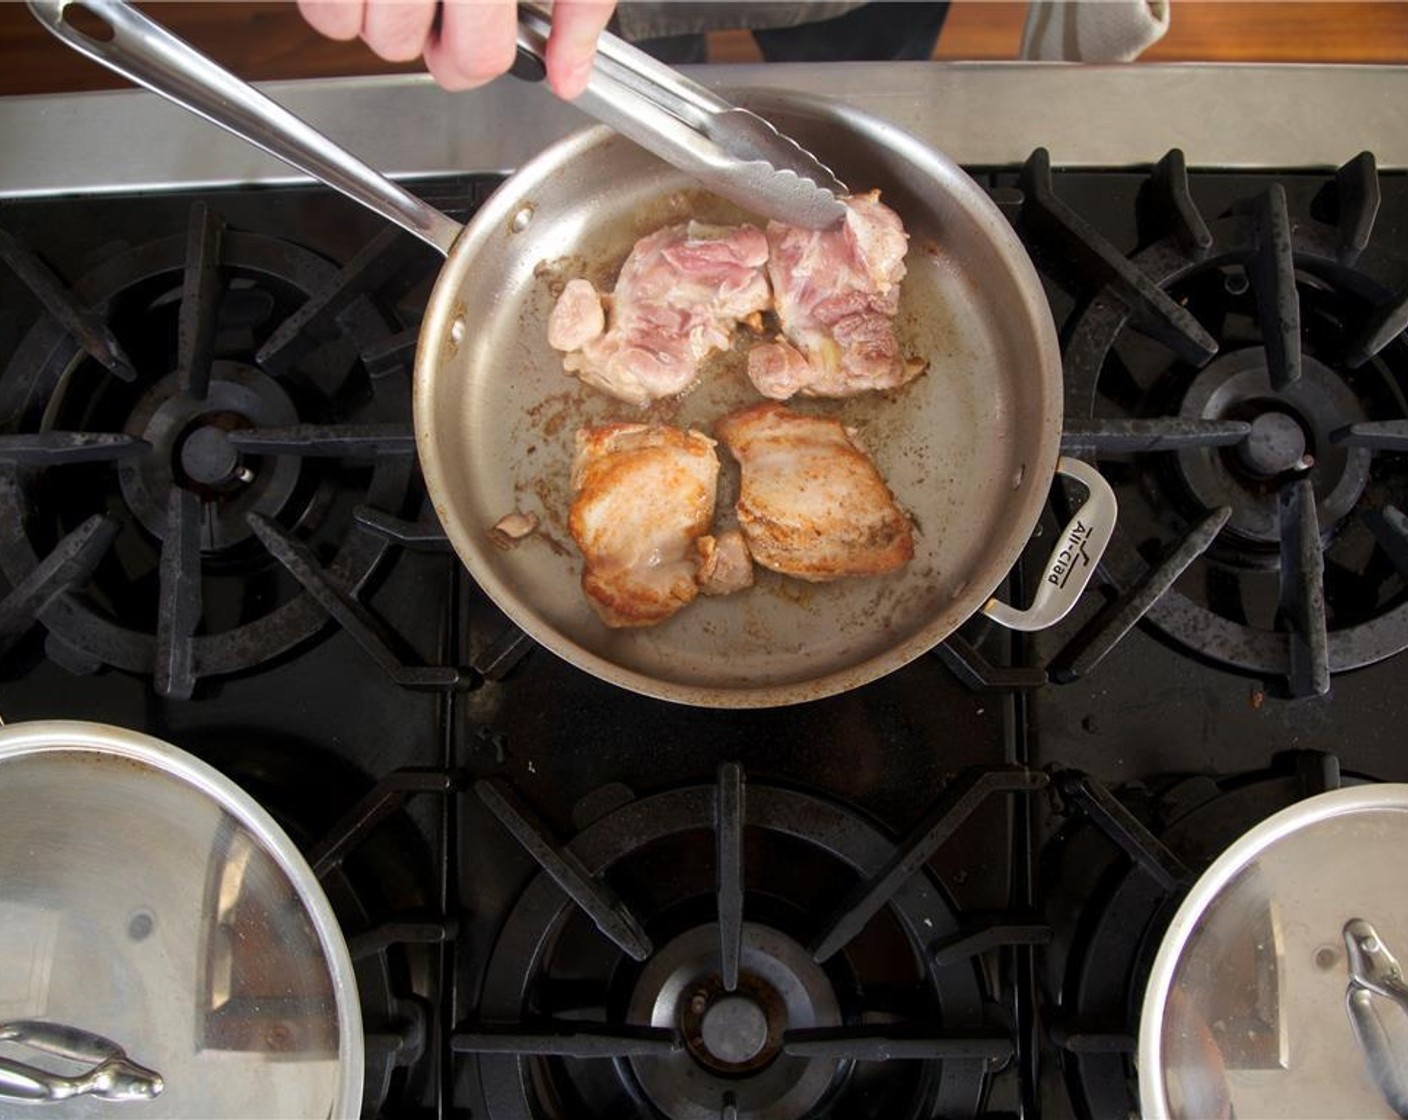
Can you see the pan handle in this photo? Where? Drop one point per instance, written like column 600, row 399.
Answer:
column 1072, row 562
column 145, row 52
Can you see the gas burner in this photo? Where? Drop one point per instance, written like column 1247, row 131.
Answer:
column 191, row 448
column 734, row 1038
column 653, row 994
column 1289, row 436
column 198, row 432
column 1244, row 383
column 1112, row 878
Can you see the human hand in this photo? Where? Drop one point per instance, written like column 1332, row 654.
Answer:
column 471, row 42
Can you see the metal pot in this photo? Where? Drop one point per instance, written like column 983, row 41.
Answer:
column 1275, row 991
column 161, row 940
column 969, row 448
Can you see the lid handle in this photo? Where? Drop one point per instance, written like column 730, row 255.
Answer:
column 1373, row 970
column 111, row 1075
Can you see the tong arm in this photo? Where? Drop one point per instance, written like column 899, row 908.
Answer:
column 735, row 153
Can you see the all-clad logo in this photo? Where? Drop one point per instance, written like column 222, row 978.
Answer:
column 1066, row 560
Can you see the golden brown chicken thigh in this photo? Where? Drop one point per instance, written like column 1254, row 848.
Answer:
column 812, row 504
column 644, row 496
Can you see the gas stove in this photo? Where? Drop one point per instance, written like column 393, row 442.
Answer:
column 938, row 895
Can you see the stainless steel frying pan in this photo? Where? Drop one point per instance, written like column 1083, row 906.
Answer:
column 970, row 448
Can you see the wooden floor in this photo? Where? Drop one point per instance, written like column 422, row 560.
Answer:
column 268, row 40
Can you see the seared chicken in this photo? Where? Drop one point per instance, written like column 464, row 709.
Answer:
column 724, row 563
column 812, row 504
column 836, row 292
column 512, row 528
column 644, row 497
column 679, row 296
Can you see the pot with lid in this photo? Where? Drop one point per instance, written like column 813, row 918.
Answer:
column 1276, row 991
column 162, row 942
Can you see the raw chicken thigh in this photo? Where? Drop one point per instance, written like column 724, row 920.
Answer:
column 812, row 504
column 577, row 318
column 679, row 296
column 836, row 292
column 644, row 497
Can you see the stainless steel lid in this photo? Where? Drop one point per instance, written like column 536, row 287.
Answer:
column 162, row 942
column 1275, row 992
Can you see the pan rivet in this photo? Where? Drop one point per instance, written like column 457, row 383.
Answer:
column 521, row 220
column 457, row 331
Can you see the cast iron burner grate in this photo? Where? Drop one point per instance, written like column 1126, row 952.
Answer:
column 1112, row 878
column 735, row 950
column 1244, row 383
column 202, row 436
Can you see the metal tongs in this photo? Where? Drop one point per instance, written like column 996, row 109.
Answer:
column 732, row 151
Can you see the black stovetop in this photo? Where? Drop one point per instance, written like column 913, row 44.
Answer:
column 951, row 879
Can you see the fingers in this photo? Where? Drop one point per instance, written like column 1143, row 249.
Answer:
column 337, row 19
column 398, row 30
column 475, row 44
column 576, row 25
column 475, row 40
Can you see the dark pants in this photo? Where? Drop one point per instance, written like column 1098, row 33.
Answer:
column 878, row 32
